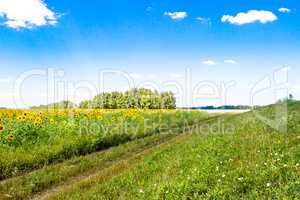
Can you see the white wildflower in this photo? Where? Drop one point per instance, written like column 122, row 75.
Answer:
column 240, row 179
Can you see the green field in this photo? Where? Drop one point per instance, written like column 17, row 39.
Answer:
column 31, row 139
column 216, row 157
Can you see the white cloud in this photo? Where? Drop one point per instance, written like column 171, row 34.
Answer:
column 204, row 20
column 176, row 15
column 251, row 16
column 26, row 13
column 284, row 10
column 176, row 75
column 230, row 61
column 209, row 62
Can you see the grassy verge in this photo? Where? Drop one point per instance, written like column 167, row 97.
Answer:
column 252, row 161
column 23, row 187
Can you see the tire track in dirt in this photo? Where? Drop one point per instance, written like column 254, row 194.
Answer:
column 117, row 167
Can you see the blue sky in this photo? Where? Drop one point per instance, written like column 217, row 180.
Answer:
column 153, row 41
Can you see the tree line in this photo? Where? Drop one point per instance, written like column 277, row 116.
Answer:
column 58, row 105
column 135, row 98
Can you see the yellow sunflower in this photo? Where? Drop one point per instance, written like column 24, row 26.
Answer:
column 36, row 123
column 1, row 128
column 11, row 138
column 52, row 121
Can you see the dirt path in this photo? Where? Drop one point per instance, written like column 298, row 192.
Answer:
column 115, row 168
column 118, row 166
column 102, row 171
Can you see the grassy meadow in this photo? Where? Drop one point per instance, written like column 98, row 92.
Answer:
column 181, row 155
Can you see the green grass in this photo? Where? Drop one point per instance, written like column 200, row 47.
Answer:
column 55, row 142
column 226, row 157
column 25, row 186
column 254, row 161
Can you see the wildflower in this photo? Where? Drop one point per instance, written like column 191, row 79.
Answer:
column 268, row 184
column 223, row 176
column 297, row 165
column 240, row 179
column 141, row 191
column 285, row 165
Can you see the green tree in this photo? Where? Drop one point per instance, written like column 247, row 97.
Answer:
column 86, row 104
column 167, row 100
column 135, row 98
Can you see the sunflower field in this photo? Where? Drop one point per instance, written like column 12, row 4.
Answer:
column 30, row 139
